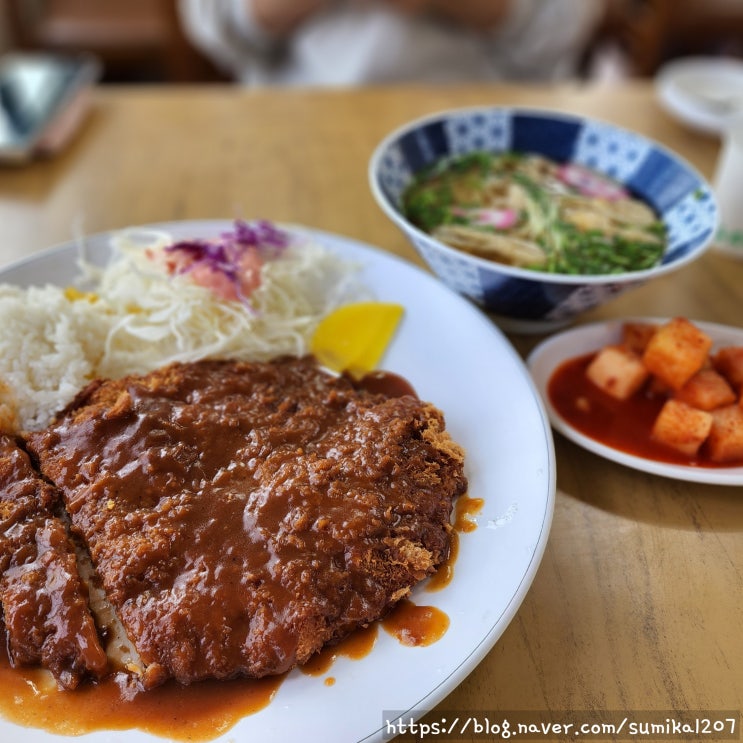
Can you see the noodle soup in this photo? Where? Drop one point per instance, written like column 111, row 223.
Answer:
column 529, row 211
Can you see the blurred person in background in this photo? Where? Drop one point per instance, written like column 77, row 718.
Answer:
column 359, row 42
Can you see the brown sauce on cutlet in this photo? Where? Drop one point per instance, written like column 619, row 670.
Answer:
column 44, row 602
column 386, row 383
column 270, row 498
column 354, row 647
column 202, row 710
column 464, row 511
column 445, row 572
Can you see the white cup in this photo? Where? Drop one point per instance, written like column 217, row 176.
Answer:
column 728, row 187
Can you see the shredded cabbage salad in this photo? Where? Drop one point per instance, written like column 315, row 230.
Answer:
column 252, row 293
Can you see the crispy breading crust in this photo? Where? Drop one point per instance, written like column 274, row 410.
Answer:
column 241, row 515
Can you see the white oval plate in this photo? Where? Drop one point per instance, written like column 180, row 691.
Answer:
column 547, row 356
column 705, row 93
column 455, row 357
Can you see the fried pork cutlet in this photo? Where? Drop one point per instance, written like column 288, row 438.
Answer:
column 243, row 515
column 44, row 602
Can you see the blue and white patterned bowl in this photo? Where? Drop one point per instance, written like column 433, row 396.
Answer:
column 520, row 299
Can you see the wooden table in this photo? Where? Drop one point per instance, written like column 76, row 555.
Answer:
column 638, row 603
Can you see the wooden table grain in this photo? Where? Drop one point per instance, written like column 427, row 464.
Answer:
column 638, row 602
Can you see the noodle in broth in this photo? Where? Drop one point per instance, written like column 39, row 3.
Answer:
column 529, row 211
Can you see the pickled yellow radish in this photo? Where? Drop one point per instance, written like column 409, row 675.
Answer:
column 354, row 337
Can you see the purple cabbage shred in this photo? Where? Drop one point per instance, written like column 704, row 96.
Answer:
column 226, row 254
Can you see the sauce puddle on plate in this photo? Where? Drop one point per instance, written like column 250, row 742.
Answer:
column 465, row 510
column 416, row 626
column 200, row 712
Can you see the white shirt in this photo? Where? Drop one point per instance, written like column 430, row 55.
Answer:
column 358, row 42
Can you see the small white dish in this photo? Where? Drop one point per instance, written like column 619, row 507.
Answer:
column 705, row 93
column 546, row 357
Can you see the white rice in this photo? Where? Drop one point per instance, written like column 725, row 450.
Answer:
column 49, row 349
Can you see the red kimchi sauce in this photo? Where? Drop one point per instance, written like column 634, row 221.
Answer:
column 625, row 425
